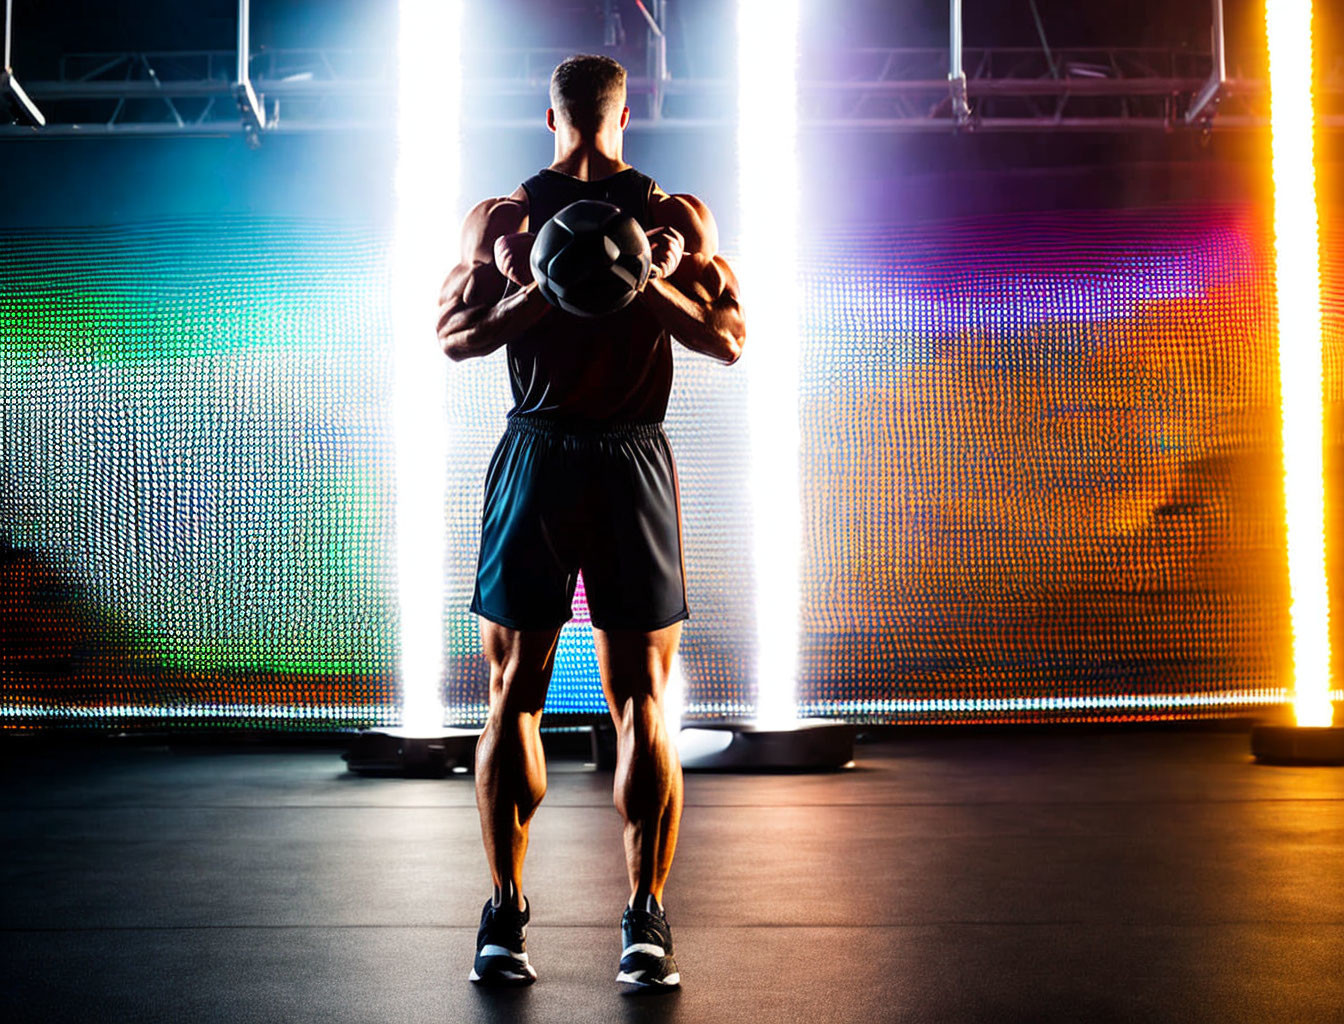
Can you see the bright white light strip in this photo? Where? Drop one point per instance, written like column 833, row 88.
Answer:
column 279, row 712
column 1111, row 702
column 767, row 143
column 428, row 113
column 1297, row 275
column 367, row 711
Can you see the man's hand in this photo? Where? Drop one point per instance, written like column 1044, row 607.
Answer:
column 668, row 246
column 513, row 256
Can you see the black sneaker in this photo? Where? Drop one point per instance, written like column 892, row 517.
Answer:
column 501, row 947
column 646, row 954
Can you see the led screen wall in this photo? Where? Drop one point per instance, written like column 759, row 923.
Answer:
column 1039, row 463
column 195, row 482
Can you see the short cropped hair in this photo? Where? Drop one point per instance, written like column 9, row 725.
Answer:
column 587, row 89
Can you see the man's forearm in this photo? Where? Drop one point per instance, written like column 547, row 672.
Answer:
column 474, row 333
column 706, row 327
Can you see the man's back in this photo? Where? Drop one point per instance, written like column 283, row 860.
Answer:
column 614, row 369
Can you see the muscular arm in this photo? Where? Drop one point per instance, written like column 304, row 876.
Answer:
column 699, row 303
column 474, row 317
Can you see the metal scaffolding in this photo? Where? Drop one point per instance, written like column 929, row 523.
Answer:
column 876, row 89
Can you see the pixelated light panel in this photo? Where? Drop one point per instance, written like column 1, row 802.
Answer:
column 1040, row 467
column 196, row 485
column 1042, row 470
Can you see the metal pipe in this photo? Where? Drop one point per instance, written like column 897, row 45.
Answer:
column 1204, row 104
column 954, row 47
column 1219, row 56
column 645, row 86
column 660, row 50
column 657, row 53
column 9, row 25
column 654, row 27
column 1233, row 122
column 956, row 77
column 1040, row 31
column 244, row 9
column 249, row 106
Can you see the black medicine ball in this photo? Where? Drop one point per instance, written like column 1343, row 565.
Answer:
column 590, row 258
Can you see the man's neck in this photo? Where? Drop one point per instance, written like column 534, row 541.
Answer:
column 588, row 158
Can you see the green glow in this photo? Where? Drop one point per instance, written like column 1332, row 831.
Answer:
column 195, row 438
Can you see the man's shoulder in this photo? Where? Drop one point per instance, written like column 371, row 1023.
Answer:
column 491, row 219
column 501, row 207
column 500, row 215
column 690, row 215
column 661, row 195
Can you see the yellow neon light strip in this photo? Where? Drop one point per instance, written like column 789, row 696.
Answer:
column 1297, row 271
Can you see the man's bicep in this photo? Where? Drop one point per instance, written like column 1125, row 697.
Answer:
column 705, row 278
column 727, row 279
column 476, row 281
column 488, row 221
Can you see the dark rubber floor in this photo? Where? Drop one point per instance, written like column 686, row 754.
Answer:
column 1135, row 876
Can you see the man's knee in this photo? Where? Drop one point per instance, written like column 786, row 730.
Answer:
column 635, row 665
column 637, row 686
column 514, row 692
column 640, row 722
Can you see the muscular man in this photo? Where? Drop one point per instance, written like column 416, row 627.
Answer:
column 583, row 479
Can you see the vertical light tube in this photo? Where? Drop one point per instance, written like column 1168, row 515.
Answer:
column 767, row 138
column 1297, row 276
column 425, row 248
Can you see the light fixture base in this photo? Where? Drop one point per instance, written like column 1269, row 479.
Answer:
column 1301, row 745
column 406, row 753
column 807, row 744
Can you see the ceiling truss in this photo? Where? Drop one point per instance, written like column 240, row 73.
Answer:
column 875, row 89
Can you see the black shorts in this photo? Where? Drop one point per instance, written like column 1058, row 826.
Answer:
column 560, row 499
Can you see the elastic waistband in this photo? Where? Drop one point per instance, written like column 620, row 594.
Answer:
column 554, row 428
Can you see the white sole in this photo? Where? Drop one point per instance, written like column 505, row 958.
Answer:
column 506, row 977
column 671, row 981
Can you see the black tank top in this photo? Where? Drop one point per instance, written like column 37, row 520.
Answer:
column 608, row 370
